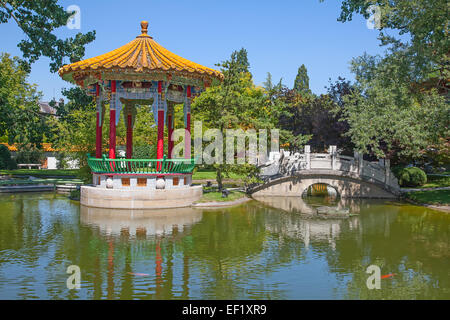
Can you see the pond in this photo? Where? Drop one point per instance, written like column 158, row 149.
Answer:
column 268, row 249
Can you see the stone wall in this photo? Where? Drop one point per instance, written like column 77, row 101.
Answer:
column 140, row 198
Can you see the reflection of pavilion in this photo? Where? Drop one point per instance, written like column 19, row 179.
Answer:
column 139, row 222
column 121, row 269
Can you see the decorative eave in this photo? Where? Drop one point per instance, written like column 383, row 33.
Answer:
column 142, row 59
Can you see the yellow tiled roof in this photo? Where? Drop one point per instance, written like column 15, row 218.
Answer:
column 142, row 55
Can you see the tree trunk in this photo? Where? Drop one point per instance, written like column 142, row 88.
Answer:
column 219, row 178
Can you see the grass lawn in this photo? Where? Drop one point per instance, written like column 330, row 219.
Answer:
column 217, row 196
column 430, row 197
column 21, row 182
column 43, row 172
column 211, row 175
column 436, row 182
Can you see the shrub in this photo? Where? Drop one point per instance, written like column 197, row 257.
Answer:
column 6, row 162
column 75, row 195
column 144, row 151
column 84, row 174
column 29, row 153
column 411, row 177
column 61, row 163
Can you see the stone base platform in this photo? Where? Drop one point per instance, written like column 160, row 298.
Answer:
column 139, row 199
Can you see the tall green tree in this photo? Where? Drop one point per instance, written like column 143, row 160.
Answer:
column 268, row 84
column 399, row 108
column 241, row 59
column 77, row 99
column 301, row 84
column 20, row 117
column 38, row 19
column 388, row 117
column 234, row 103
column 416, row 30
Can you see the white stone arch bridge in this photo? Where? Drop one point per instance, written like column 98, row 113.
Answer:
column 291, row 174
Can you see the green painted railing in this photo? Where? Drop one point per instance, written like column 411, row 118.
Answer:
column 137, row 166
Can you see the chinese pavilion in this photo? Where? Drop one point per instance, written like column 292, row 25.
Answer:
column 141, row 72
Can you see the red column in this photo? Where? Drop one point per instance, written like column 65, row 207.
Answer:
column 187, row 130
column 160, row 144
column 129, row 136
column 112, row 122
column 170, row 131
column 98, row 136
column 98, row 140
column 158, row 270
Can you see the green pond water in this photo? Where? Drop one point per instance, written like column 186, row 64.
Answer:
column 268, row 249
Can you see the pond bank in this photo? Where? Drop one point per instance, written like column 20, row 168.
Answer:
column 216, row 199
column 221, row 204
column 440, row 207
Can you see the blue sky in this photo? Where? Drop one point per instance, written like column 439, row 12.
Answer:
column 278, row 35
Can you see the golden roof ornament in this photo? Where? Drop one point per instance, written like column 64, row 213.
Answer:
column 144, row 29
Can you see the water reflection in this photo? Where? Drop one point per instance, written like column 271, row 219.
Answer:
column 140, row 223
column 259, row 250
column 312, row 205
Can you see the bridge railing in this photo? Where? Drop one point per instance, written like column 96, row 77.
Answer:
column 289, row 163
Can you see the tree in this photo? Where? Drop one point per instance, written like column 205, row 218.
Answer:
column 234, row 103
column 77, row 99
column 270, row 87
column 242, row 63
column 38, row 19
column 301, row 84
column 313, row 120
column 6, row 162
column 20, row 119
column 420, row 36
column 268, row 84
column 74, row 137
column 285, row 116
column 398, row 108
column 388, row 117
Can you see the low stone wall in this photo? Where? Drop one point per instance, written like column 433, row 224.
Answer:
column 139, row 199
column 139, row 182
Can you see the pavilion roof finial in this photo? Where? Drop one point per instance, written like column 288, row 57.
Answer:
column 144, row 27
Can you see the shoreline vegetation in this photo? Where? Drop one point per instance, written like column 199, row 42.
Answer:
column 435, row 193
column 215, row 196
column 199, row 175
column 214, row 199
column 436, row 199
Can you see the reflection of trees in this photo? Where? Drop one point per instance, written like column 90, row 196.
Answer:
column 225, row 254
column 30, row 228
column 412, row 242
column 232, row 248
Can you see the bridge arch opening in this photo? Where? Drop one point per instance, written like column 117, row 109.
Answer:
column 321, row 193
